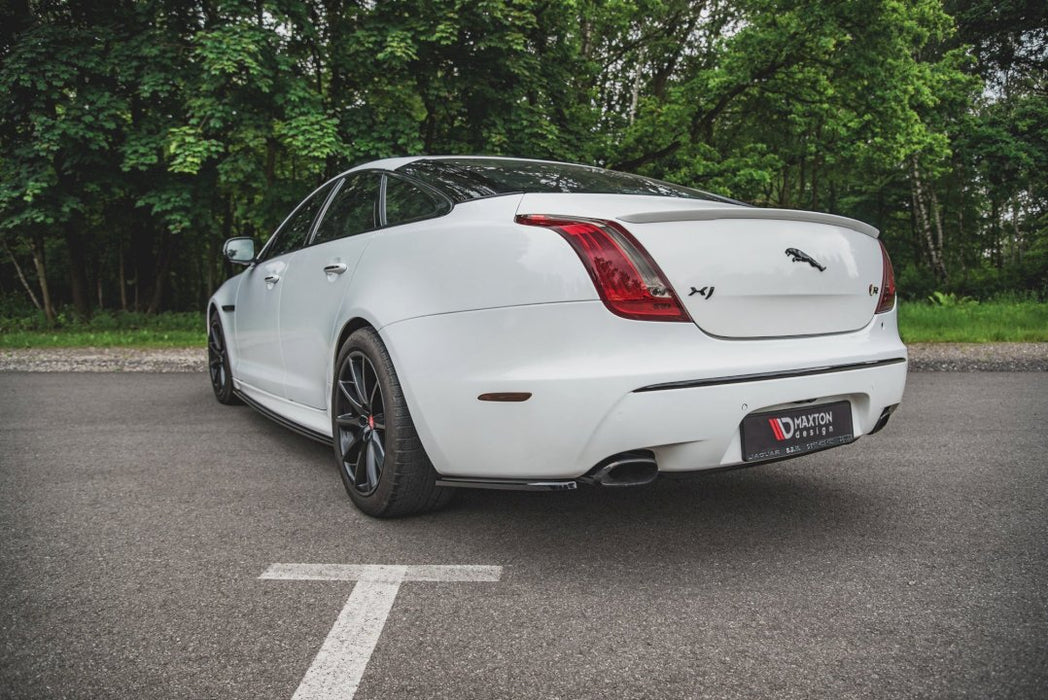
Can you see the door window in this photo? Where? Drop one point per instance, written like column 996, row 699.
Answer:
column 353, row 209
column 293, row 234
column 405, row 202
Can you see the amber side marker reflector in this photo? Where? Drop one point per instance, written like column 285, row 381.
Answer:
column 506, row 396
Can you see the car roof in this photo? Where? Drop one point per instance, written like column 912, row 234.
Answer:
column 394, row 163
column 461, row 185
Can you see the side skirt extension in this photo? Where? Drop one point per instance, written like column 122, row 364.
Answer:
column 289, row 424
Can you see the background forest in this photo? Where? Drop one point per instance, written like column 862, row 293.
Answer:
column 135, row 136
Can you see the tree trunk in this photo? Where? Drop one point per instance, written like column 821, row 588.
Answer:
column 783, row 197
column 937, row 218
column 163, row 263
column 1019, row 243
column 270, row 167
column 36, row 245
column 815, row 167
column 77, row 279
column 635, row 90
column 801, row 184
column 122, row 280
column 21, row 277
column 996, row 216
column 924, row 223
column 143, row 253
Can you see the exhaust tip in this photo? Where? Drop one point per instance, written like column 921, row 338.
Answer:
column 633, row 468
column 883, row 419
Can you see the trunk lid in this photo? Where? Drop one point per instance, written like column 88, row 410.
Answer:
column 746, row 272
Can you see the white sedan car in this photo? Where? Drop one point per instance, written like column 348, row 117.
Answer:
column 505, row 323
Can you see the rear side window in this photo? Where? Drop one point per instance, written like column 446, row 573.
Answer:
column 292, row 235
column 353, row 209
column 406, row 202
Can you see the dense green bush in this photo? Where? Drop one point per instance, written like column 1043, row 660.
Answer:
column 18, row 315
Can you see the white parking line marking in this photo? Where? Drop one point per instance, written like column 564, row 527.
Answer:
column 339, row 665
column 357, row 572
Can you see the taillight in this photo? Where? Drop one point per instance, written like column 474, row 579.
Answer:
column 887, row 300
column 627, row 279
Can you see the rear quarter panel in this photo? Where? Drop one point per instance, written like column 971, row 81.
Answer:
column 476, row 257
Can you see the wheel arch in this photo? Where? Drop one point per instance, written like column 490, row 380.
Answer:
column 223, row 304
column 356, row 322
column 348, row 328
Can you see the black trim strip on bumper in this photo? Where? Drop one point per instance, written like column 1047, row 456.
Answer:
column 229, row 307
column 764, row 376
column 289, row 424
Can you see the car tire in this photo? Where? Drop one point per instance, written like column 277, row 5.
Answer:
column 380, row 457
column 218, row 362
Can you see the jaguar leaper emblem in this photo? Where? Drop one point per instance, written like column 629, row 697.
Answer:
column 801, row 256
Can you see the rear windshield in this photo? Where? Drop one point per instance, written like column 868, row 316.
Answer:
column 464, row 179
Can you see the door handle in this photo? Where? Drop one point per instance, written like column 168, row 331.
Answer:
column 335, row 268
column 272, row 279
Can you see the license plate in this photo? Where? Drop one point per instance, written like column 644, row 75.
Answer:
column 794, row 431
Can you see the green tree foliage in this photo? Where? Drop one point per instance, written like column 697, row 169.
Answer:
column 136, row 136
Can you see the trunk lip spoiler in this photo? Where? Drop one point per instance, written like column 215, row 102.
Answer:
column 657, row 217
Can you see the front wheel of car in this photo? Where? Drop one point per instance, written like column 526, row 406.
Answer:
column 380, row 457
column 218, row 362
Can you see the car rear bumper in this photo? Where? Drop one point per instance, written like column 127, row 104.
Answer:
column 601, row 385
column 699, row 427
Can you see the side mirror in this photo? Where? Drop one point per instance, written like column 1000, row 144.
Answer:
column 240, row 250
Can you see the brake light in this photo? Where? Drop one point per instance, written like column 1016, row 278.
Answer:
column 629, row 282
column 887, row 299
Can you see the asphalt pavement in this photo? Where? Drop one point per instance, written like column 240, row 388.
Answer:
column 137, row 516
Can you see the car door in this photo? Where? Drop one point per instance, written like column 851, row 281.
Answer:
column 320, row 282
column 316, row 286
column 259, row 362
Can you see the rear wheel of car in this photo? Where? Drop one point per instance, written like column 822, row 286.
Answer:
column 380, row 457
column 218, row 362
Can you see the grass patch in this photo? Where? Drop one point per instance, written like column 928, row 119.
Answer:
column 986, row 322
column 105, row 330
column 142, row 338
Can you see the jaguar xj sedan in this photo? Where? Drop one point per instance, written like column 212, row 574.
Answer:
column 504, row 323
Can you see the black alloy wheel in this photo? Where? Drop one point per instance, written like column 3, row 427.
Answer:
column 360, row 418
column 218, row 362
column 380, row 457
